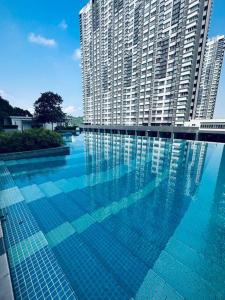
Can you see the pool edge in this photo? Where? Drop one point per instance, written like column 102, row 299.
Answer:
column 6, row 289
column 63, row 150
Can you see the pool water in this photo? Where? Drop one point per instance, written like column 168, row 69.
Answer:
column 121, row 217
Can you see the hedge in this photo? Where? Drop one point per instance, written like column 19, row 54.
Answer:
column 10, row 127
column 31, row 139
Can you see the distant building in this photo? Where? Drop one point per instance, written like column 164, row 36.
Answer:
column 142, row 60
column 207, row 124
column 210, row 77
column 25, row 122
column 22, row 122
column 69, row 121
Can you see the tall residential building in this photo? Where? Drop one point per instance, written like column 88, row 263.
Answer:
column 210, row 77
column 142, row 59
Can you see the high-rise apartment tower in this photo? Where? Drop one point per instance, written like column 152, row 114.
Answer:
column 142, row 60
column 210, row 77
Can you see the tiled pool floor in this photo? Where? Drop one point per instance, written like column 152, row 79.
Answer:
column 122, row 217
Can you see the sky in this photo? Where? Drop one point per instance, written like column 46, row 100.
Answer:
column 40, row 51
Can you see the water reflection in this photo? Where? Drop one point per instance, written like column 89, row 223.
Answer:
column 133, row 217
column 174, row 230
column 181, row 160
column 216, row 229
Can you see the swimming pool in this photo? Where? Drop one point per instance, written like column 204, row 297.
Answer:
column 121, row 217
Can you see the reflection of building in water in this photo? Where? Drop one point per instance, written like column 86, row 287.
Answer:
column 180, row 160
column 143, row 207
column 197, row 153
column 67, row 138
column 183, row 159
column 216, row 231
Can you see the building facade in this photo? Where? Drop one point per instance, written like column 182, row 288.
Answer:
column 210, row 77
column 142, row 60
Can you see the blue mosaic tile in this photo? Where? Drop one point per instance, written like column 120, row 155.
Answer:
column 10, row 197
column 89, row 276
column 66, row 207
column 34, row 270
column 154, row 287
column 6, row 181
column 25, row 248
column 39, row 277
column 117, row 258
column 32, row 193
column 19, row 224
column 49, row 189
column 46, row 215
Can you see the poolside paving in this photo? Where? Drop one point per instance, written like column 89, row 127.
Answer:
column 6, row 291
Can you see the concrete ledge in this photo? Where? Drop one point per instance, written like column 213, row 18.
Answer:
column 6, row 290
column 63, row 150
column 181, row 132
column 142, row 128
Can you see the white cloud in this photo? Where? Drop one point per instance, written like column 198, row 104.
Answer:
column 76, row 54
column 63, row 25
column 72, row 110
column 41, row 40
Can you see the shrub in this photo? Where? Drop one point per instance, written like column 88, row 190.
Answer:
column 32, row 139
column 10, row 127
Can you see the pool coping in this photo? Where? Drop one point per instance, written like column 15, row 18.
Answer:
column 6, row 289
column 62, row 150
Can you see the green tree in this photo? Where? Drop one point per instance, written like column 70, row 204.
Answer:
column 21, row 112
column 5, row 110
column 76, row 121
column 47, row 109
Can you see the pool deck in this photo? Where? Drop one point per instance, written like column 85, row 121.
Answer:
column 6, row 290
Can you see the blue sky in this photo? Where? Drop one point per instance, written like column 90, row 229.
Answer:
column 40, row 51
